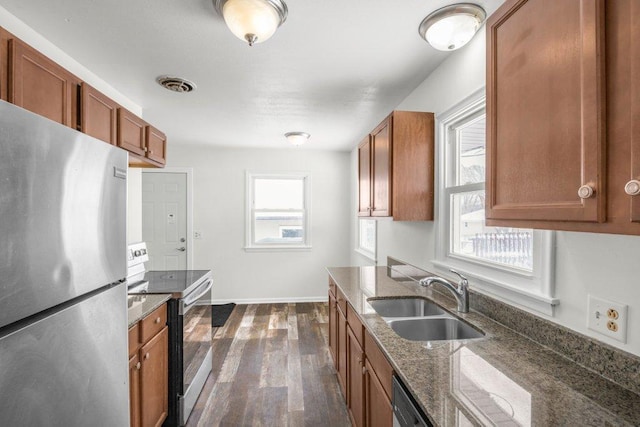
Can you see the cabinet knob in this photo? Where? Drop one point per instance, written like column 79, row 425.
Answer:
column 138, row 366
column 157, row 320
column 586, row 191
column 632, row 187
column 146, row 356
column 150, row 152
column 364, row 370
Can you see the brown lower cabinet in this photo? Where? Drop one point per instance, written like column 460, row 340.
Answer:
column 364, row 373
column 149, row 370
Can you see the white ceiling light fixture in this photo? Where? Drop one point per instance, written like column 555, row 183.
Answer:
column 254, row 21
column 453, row 26
column 297, row 138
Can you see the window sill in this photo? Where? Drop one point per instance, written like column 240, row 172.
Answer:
column 367, row 254
column 501, row 289
column 277, row 248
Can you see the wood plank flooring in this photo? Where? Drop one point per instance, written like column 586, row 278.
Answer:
column 272, row 367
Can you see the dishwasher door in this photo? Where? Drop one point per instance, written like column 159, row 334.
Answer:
column 405, row 411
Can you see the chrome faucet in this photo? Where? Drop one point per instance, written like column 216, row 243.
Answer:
column 461, row 291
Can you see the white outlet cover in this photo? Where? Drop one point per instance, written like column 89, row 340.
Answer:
column 597, row 318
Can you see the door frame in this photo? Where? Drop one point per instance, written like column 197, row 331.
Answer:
column 189, row 173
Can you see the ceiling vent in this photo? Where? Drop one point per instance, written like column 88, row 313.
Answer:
column 176, row 84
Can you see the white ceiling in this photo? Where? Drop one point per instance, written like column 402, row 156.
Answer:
column 334, row 69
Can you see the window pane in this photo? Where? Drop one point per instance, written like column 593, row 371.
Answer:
column 470, row 151
column 278, row 193
column 279, row 227
column 367, row 240
column 470, row 237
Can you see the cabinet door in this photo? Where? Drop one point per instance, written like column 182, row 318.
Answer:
column 156, row 145
column 381, row 169
column 342, row 351
column 134, row 391
column 545, row 111
column 379, row 412
column 98, row 115
column 154, row 375
column 40, row 85
column 131, row 130
column 364, row 178
column 355, row 379
column 333, row 329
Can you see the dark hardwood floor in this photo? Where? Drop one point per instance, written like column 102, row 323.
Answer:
column 272, row 367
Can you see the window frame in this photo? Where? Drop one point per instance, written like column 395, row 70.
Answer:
column 372, row 255
column 250, row 244
column 533, row 290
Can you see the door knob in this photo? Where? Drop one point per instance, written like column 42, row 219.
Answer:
column 182, row 249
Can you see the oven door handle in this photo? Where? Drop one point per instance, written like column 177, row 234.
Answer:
column 197, row 294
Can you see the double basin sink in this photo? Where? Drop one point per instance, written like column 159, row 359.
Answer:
column 419, row 319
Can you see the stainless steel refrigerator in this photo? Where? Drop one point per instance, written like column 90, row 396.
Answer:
column 63, row 309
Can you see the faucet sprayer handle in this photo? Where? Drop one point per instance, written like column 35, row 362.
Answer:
column 463, row 280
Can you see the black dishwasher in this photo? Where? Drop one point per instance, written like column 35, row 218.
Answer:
column 406, row 412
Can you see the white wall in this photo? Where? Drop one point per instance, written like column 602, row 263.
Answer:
column 134, row 205
column 219, row 214
column 35, row 40
column 586, row 263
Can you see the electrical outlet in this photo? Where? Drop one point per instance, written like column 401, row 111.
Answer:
column 197, row 235
column 607, row 317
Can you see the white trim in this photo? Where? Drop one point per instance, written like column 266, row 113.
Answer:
column 323, row 298
column 362, row 251
column 250, row 246
column 532, row 290
column 189, row 173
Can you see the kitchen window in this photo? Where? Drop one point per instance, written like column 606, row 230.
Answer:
column 278, row 211
column 367, row 233
column 510, row 263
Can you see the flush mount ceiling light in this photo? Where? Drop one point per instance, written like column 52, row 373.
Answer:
column 453, row 26
column 254, row 21
column 297, row 138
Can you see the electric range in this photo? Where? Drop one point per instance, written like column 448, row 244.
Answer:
column 190, row 354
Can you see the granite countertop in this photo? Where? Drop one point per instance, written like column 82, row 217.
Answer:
column 502, row 379
column 140, row 306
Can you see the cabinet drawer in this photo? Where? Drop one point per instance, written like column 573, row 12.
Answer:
column 379, row 363
column 153, row 323
column 332, row 287
column 341, row 301
column 355, row 324
column 134, row 339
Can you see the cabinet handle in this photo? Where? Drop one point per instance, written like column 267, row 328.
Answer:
column 158, row 320
column 146, row 356
column 150, row 152
column 586, row 191
column 364, row 370
column 138, row 366
column 145, row 149
column 632, row 187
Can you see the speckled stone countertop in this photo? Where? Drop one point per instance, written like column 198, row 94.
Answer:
column 140, row 306
column 502, row 379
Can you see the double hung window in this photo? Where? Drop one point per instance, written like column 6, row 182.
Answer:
column 278, row 211
column 508, row 262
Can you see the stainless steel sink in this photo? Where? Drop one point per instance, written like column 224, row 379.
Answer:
column 434, row 329
column 405, row 307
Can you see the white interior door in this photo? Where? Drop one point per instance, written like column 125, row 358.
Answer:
column 164, row 219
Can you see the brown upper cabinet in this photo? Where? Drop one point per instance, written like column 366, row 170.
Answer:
column 98, row 115
column 32, row 81
column 563, row 101
column 396, row 168
column 39, row 85
column 131, row 132
column 156, row 143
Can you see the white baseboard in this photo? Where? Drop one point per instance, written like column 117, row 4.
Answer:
column 265, row 300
